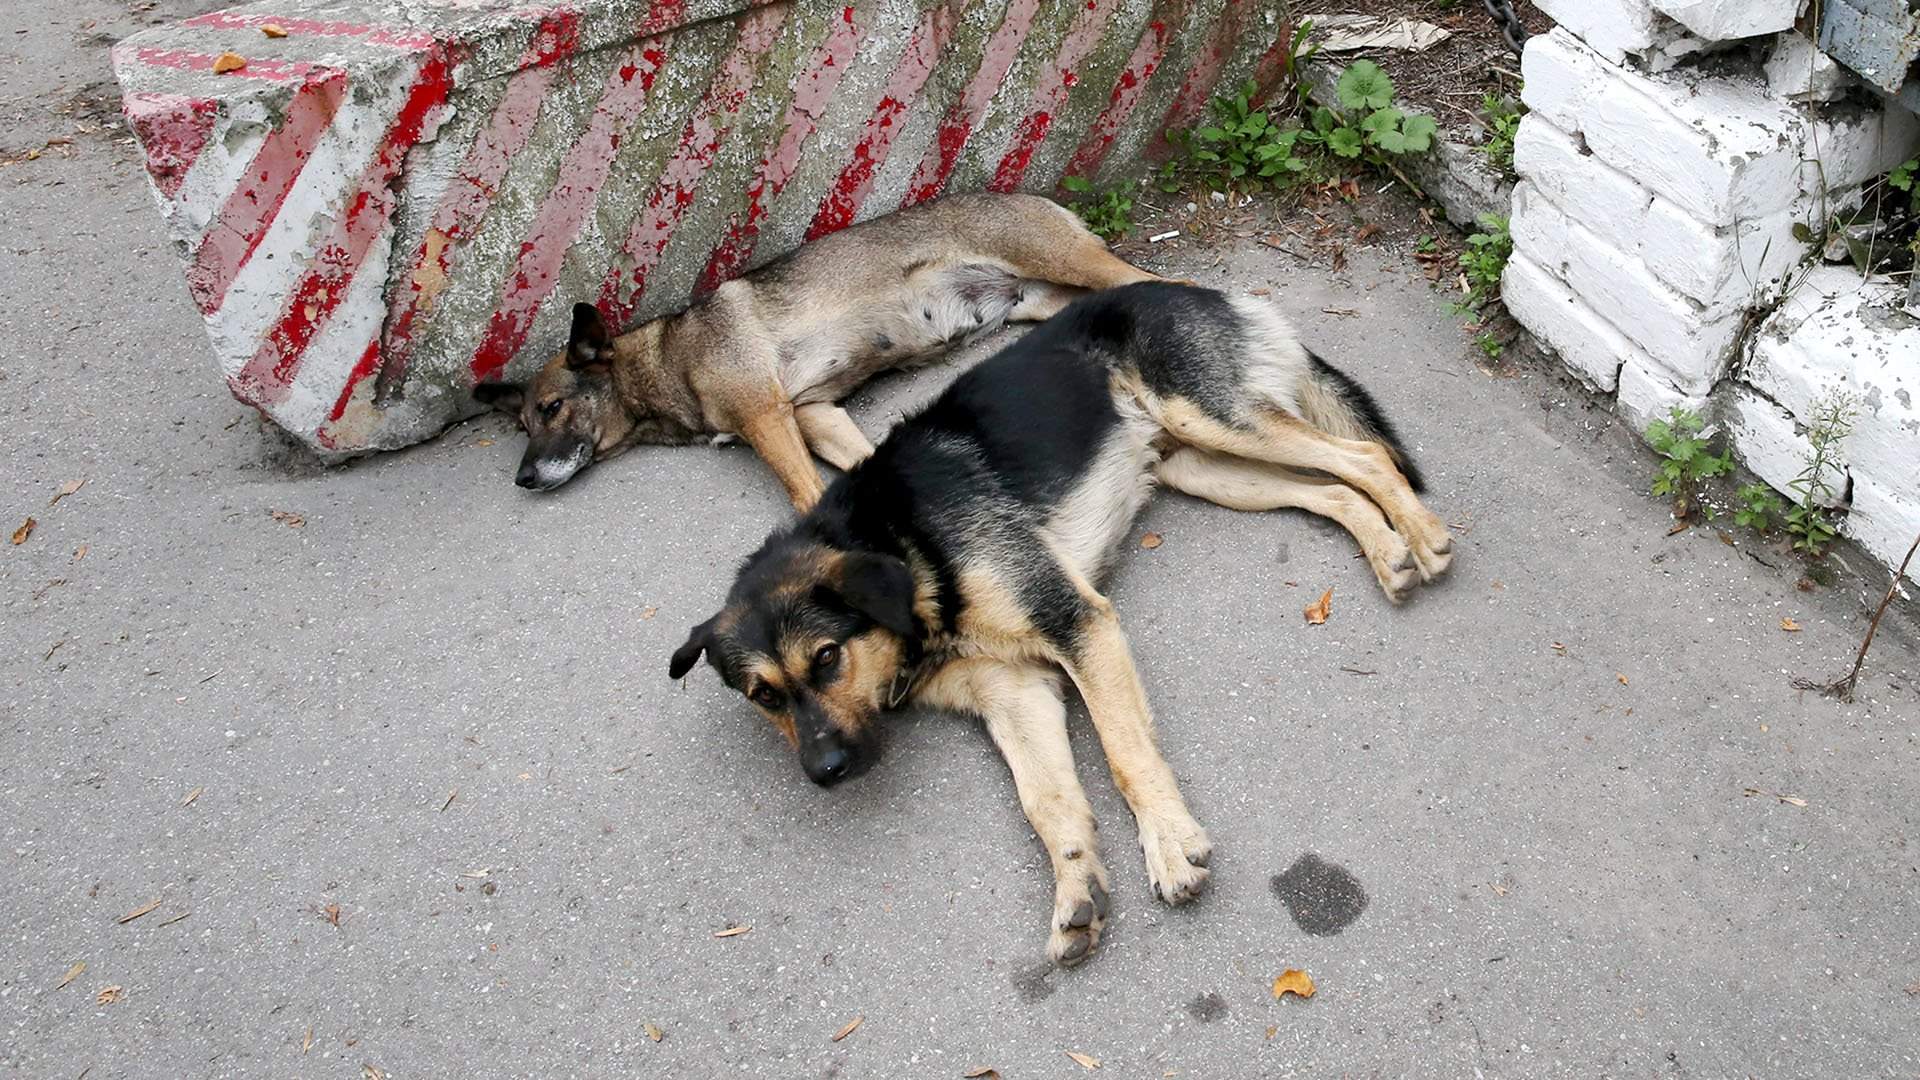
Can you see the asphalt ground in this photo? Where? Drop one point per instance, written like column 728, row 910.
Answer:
column 393, row 748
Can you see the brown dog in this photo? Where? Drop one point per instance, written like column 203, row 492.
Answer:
column 769, row 356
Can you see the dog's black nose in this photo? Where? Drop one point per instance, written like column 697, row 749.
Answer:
column 830, row 767
column 527, row 477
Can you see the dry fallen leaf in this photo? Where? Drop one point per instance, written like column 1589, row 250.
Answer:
column 979, row 1071
column 274, row 30
column 1680, row 526
column 331, row 913
column 109, row 994
column 79, row 553
column 649, row 611
column 1272, row 1030
column 1789, row 626
column 653, row 1032
column 1498, row 889
column 67, row 489
column 25, row 530
column 848, row 1030
column 139, row 911
column 307, row 1043
column 1622, row 678
column 72, row 974
column 1152, row 540
column 368, row 1071
column 1293, row 981
column 1318, row 611
column 1083, row 1060
column 1791, row 800
column 288, row 518
column 228, row 61
column 483, row 442
column 732, row 931
column 192, row 795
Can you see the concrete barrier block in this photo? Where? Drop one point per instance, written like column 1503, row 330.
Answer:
column 397, row 198
column 1799, row 71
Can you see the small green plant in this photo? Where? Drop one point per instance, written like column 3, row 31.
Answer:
column 1686, row 456
column 1107, row 213
column 1243, row 149
column 1485, row 260
column 1902, row 179
column 1367, row 126
column 1758, row 509
column 1812, row 526
column 1427, row 244
column 1490, row 346
column 1503, row 123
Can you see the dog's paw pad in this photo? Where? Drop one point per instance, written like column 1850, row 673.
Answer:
column 1079, row 914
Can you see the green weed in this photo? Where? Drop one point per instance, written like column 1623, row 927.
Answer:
column 1485, row 260
column 1812, row 526
column 1686, row 455
column 1108, row 213
column 1503, row 123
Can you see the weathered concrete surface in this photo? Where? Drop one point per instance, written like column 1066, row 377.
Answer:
column 431, row 629
column 400, row 197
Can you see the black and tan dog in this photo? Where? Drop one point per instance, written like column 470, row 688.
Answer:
column 956, row 567
column 769, row 356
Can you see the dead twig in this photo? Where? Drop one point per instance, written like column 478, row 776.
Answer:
column 1843, row 688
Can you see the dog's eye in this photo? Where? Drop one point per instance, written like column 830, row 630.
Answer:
column 550, row 409
column 766, row 697
column 828, row 656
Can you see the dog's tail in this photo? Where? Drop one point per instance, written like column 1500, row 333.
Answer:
column 1334, row 403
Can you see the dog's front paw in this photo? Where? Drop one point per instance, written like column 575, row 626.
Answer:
column 1432, row 545
column 1396, row 569
column 1079, row 914
column 1177, row 851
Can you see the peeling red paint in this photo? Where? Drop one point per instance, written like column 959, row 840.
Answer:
column 1050, row 94
column 242, row 220
column 265, row 378
column 955, row 128
column 1128, row 89
column 172, row 129
column 842, row 202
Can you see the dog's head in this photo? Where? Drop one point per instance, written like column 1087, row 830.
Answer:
column 570, row 411
column 817, row 639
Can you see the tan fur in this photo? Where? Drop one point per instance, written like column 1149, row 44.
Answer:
column 768, row 355
column 1022, row 709
column 1240, row 484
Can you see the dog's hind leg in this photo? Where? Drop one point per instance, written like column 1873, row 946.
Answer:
column 1021, row 706
column 832, row 435
column 1240, row 484
column 1277, row 437
column 1101, row 666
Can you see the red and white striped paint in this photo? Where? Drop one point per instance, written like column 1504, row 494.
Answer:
column 334, row 240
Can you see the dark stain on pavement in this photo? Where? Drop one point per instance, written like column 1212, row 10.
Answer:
column 1207, row 1008
column 1033, row 985
column 1323, row 897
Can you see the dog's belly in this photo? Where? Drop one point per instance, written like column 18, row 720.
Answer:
column 1088, row 527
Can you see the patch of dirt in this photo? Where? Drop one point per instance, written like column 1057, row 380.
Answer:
column 1448, row 80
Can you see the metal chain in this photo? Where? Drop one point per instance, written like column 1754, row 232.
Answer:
column 1511, row 28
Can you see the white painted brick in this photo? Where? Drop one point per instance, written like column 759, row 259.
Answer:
column 1884, row 522
column 1804, row 350
column 1683, row 339
column 1585, row 342
column 1771, row 444
column 1727, row 268
column 1580, row 184
column 1885, row 444
column 1647, row 394
column 1799, row 71
column 1855, row 145
column 1720, row 148
column 1612, row 28
column 1561, row 76
column 1728, row 20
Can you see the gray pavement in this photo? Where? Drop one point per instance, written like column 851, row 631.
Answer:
column 1536, row 771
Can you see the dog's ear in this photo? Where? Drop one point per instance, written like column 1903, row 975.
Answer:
column 881, row 588
column 684, row 657
column 591, row 341
column 504, row 396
